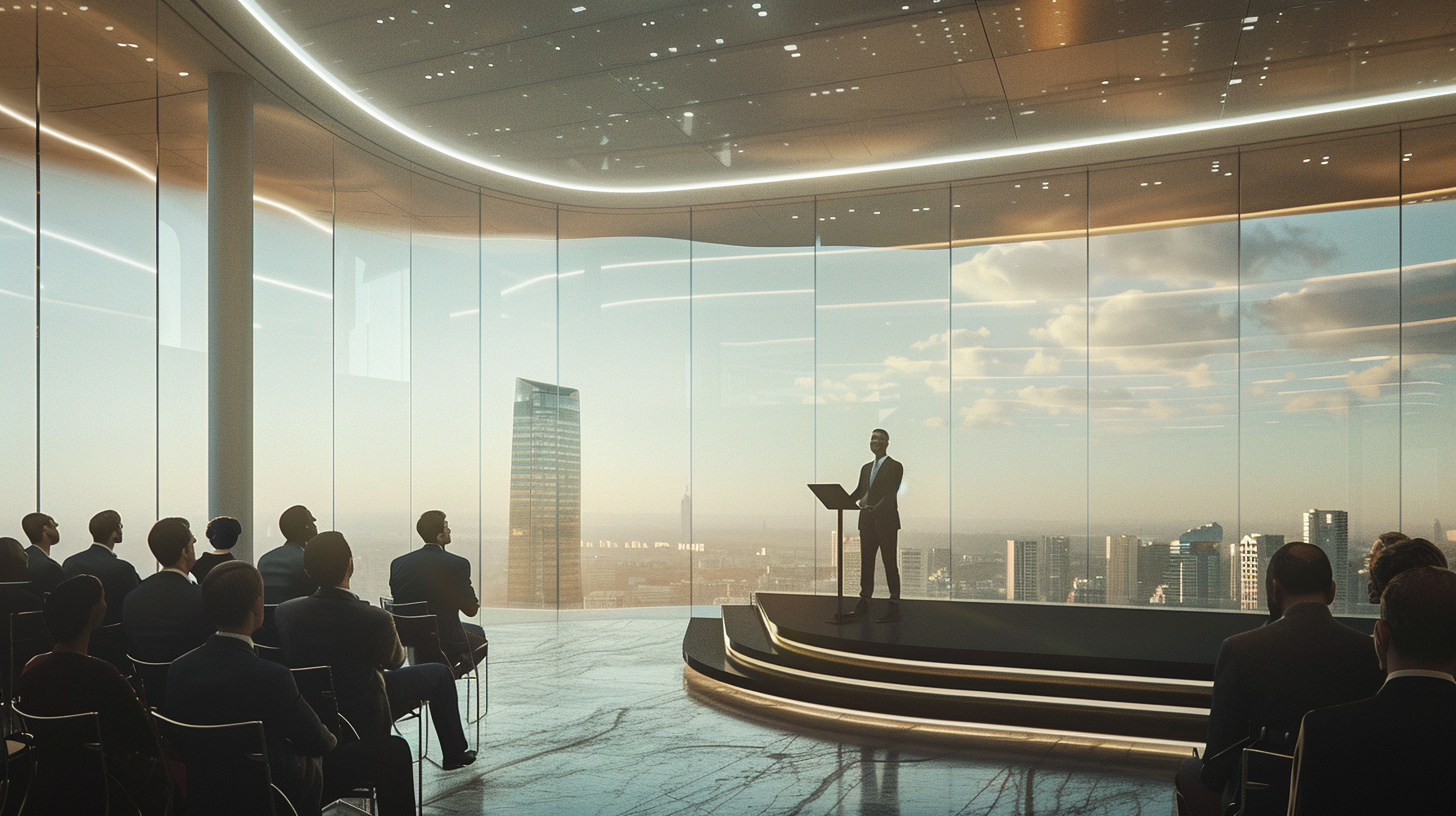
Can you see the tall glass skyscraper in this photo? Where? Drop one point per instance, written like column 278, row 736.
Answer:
column 544, row 558
column 1330, row 531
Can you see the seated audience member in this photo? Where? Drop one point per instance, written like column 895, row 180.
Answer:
column 282, row 567
column 163, row 617
column 44, row 533
column 67, row 681
column 1397, row 557
column 118, row 576
column 1391, row 753
column 15, row 594
column 442, row 580
column 224, row 681
column 222, row 534
column 1267, row 678
column 333, row 627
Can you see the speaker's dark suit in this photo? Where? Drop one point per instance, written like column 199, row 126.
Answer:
column 118, row 577
column 163, row 618
column 1270, row 676
column 879, row 524
column 442, row 580
column 283, row 576
column 1389, row 754
column 223, row 681
column 43, row 571
column 334, row 628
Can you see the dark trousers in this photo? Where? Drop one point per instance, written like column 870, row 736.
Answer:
column 1193, row 799
column 870, row 541
column 379, row 762
column 464, row 647
column 433, row 683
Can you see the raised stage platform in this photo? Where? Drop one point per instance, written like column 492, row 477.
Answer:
column 1119, row 671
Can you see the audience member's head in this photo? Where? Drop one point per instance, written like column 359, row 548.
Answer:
column 231, row 593
column 297, row 525
column 75, row 606
column 37, row 526
column 1397, row 557
column 1299, row 572
column 106, row 527
column 171, row 542
column 223, row 532
column 328, row 559
column 431, row 526
column 14, row 564
column 1417, row 626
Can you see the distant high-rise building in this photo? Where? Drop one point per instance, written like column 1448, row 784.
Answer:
column 1192, row 574
column 543, row 558
column 1122, row 570
column 914, row 570
column 1254, row 551
column 1056, row 562
column 1330, row 531
column 1089, row 590
column 1023, row 560
column 1152, row 564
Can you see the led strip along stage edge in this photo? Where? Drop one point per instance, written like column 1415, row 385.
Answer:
column 853, row 658
column 835, row 717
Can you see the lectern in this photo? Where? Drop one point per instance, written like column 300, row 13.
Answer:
column 833, row 497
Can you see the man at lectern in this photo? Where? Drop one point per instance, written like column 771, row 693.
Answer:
column 879, row 525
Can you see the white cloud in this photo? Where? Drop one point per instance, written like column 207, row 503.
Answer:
column 1042, row 365
column 1035, row 270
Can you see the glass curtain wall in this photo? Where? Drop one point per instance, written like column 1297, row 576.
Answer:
column 19, row 489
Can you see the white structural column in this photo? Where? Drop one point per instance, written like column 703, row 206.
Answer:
column 230, row 302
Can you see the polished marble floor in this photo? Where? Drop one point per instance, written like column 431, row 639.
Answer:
column 598, row 717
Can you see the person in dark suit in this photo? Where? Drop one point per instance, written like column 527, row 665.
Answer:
column 441, row 580
column 44, row 533
column 118, row 576
column 282, row 567
column 15, row 594
column 1267, row 678
column 334, row 628
column 163, row 617
column 222, row 533
column 1391, row 753
column 68, row 681
column 224, row 681
column 879, row 524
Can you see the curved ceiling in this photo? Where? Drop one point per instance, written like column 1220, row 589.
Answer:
column 659, row 96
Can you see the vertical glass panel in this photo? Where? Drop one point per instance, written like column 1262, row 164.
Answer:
column 517, row 342
column 182, row 308
column 883, row 361
column 1162, row 323
column 1319, row 256
column 1428, row 335
column 445, row 362
column 749, row 516
column 625, row 351
column 1019, row 384
column 293, row 318
column 17, row 267
column 372, row 268
column 98, row 278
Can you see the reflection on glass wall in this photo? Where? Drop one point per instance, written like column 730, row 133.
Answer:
column 1122, row 384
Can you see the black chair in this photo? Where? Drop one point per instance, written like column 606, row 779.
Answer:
column 1263, row 782
column 109, row 643
column 470, row 671
column 273, row 653
column 227, row 769
column 28, row 637
column 71, row 769
column 316, row 684
column 154, row 681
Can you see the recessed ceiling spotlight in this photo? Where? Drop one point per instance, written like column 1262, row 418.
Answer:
column 182, row 73
column 578, row 9
column 791, row 48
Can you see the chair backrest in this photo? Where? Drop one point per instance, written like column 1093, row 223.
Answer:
column 227, row 767
column 411, row 608
column 28, row 638
column 1264, row 782
column 316, row 684
column 109, row 643
column 273, row 653
column 70, row 765
column 154, row 680
column 420, row 635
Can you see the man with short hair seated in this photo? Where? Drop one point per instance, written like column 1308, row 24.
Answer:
column 1267, row 678
column 68, row 681
column 163, row 617
column 1396, row 557
column 333, row 627
column 1392, row 753
column 224, row 681
column 282, row 566
column 43, row 571
column 100, row 559
column 442, row 581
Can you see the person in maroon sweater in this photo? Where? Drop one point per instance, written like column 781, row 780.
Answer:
column 68, row 681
